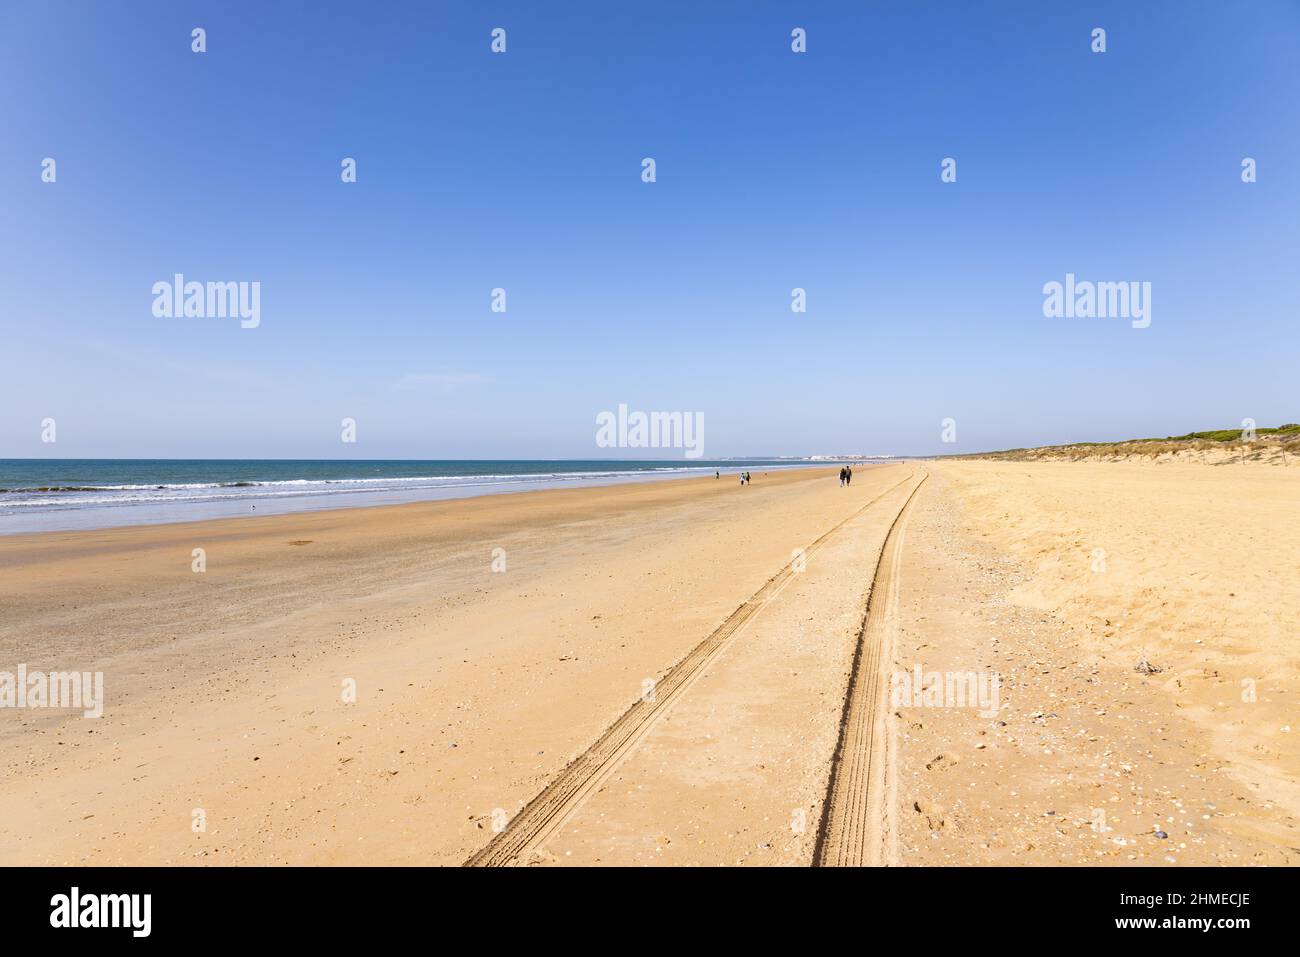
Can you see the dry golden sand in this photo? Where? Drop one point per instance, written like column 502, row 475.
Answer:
column 476, row 688
column 1089, row 757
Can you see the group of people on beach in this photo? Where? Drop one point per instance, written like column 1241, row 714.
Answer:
column 846, row 476
column 744, row 477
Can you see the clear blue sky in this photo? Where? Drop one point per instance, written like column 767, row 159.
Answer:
column 522, row 171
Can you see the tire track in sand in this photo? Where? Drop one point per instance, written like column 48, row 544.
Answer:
column 544, row 814
column 856, row 827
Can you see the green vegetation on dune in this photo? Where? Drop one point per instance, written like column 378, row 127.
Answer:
column 1218, row 435
column 1286, row 434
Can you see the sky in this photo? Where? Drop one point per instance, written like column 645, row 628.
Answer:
column 522, row 170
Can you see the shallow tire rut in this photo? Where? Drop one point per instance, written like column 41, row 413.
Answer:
column 856, row 829
column 545, row 813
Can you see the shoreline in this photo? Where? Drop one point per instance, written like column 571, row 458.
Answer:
column 345, row 512
column 53, row 517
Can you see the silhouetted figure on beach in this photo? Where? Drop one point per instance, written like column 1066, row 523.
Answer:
column 848, row 475
column 844, row 473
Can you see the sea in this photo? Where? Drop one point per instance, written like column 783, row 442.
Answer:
column 69, row 494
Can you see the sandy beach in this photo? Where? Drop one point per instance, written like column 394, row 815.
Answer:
column 1065, row 578
column 673, row 672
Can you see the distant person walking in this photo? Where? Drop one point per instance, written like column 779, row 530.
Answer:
column 844, row 474
column 848, row 475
